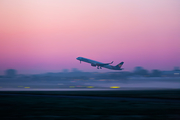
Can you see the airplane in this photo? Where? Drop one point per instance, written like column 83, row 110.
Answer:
column 100, row 65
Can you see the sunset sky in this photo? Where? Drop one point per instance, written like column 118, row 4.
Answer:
column 39, row 36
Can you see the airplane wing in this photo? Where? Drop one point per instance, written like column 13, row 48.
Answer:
column 103, row 64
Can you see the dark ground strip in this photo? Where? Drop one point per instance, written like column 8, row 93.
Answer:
column 93, row 97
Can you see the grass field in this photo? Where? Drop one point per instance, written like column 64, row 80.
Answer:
column 26, row 107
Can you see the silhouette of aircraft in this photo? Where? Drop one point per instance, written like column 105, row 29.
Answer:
column 100, row 65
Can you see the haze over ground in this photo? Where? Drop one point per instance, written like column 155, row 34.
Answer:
column 47, row 35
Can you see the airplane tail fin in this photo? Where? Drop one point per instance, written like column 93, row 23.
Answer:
column 120, row 64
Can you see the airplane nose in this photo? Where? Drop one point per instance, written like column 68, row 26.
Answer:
column 77, row 58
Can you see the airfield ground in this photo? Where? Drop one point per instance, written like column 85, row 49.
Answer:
column 38, row 107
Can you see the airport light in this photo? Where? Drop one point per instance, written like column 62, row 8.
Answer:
column 90, row 86
column 115, row 87
column 26, row 87
column 71, row 86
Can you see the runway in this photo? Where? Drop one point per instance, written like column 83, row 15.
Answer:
column 97, row 98
column 83, row 89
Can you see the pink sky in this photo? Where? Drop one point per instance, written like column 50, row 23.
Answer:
column 47, row 35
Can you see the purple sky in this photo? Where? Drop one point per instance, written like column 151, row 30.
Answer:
column 47, row 35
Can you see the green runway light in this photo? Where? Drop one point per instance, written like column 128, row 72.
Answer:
column 71, row 86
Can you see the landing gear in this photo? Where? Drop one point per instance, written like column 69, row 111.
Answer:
column 99, row 67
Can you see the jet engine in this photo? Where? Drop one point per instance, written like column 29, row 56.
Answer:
column 94, row 65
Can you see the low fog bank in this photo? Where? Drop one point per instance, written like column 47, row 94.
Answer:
column 83, row 80
column 76, row 79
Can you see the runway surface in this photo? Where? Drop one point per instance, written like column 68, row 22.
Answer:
column 93, row 97
column 83, row 89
